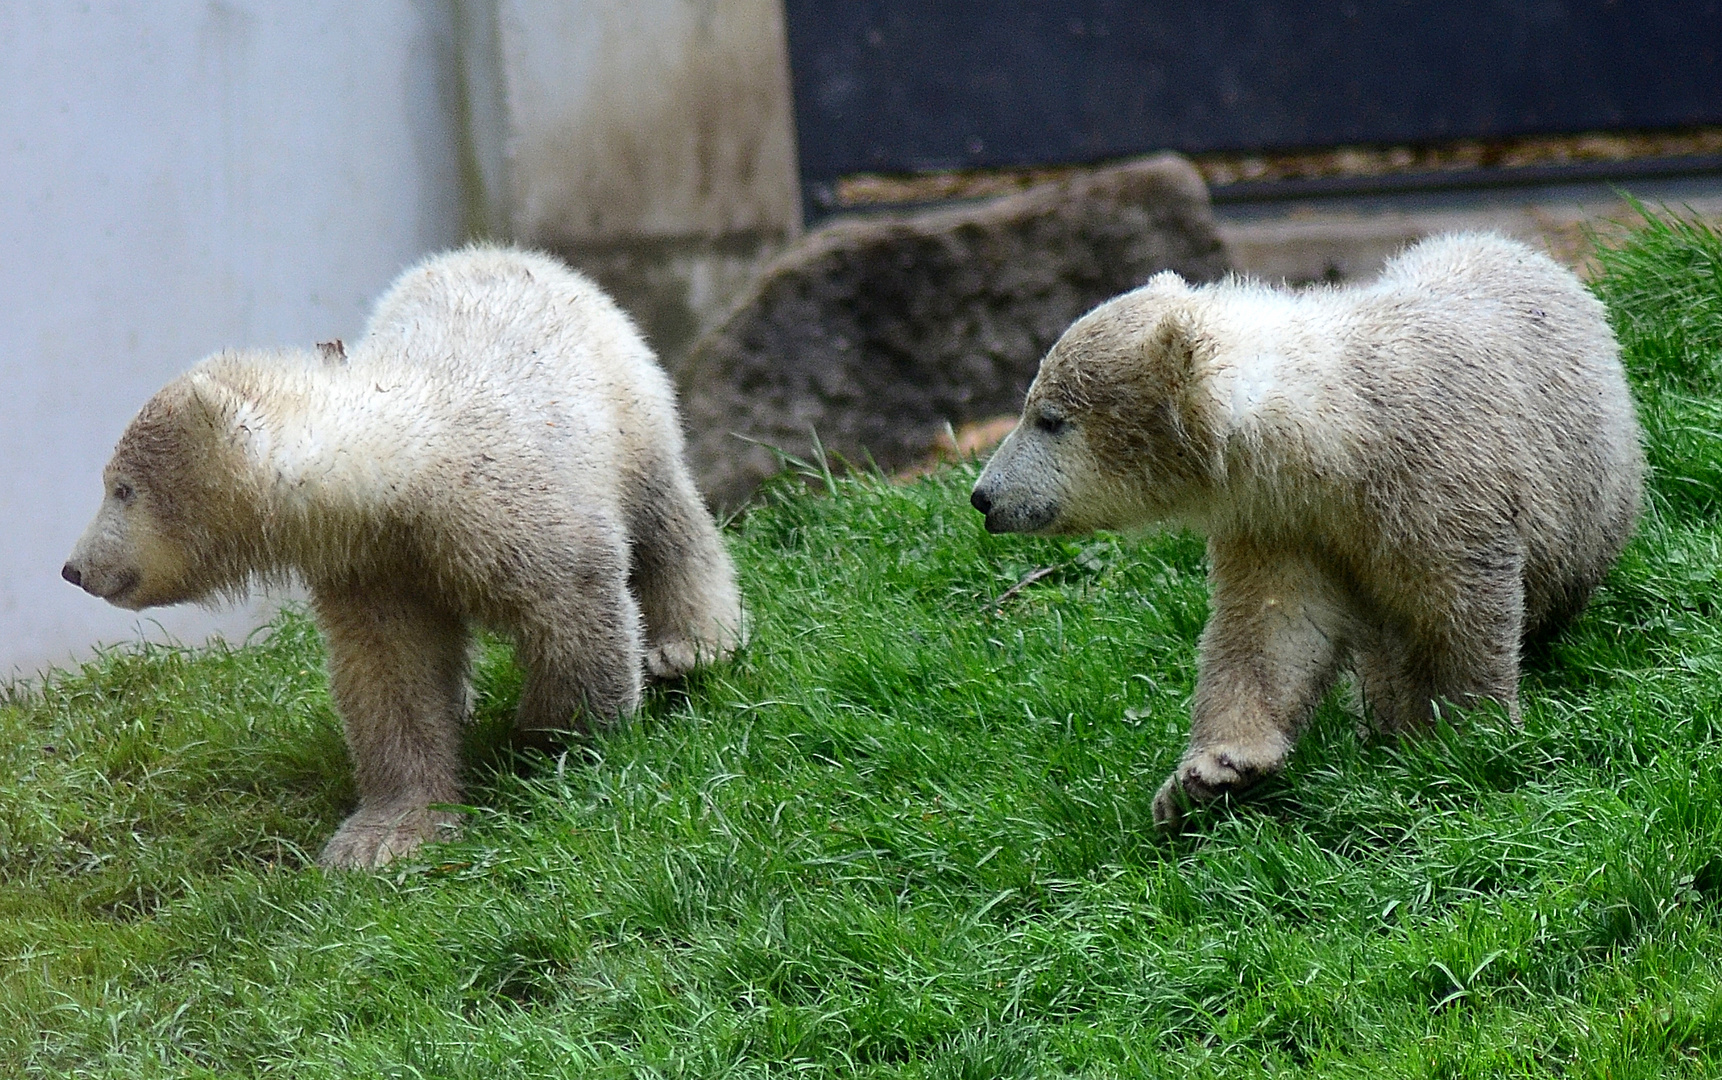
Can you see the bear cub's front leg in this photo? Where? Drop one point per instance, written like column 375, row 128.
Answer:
column 398, row 675
column 1268, row 655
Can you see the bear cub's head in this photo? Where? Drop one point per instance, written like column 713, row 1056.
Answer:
column 163, row 533
column 1117, row 430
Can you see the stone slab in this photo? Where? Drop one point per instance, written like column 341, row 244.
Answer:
column 881, row 333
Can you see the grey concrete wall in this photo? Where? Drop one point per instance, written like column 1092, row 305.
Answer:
column 179, row 176
column 649, row 142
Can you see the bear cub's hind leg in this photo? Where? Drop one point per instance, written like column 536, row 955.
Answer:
column 398, row 674
column 1270, row 652
column 580, row 645
column 1468, row 655
column 681, row 573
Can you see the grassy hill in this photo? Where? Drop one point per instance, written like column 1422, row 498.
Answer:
column 907, row 833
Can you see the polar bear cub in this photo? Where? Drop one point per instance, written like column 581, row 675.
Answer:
column 1410, row 478
column 500, row 449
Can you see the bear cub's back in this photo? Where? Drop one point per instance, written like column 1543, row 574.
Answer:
column 501, row 320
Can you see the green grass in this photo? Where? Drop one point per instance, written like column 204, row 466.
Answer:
column 907, row 833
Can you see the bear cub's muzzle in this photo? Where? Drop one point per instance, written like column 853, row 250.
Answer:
column 111, row 587
column 1012, row 516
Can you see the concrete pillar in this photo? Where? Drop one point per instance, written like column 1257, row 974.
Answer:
column 649, row 142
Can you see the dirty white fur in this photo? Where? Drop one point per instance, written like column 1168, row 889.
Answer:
column 1409, row 478
column 502, row 449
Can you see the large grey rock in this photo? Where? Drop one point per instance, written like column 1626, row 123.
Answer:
column 877, row 332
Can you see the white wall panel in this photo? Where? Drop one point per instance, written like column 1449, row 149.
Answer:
column 176, row 177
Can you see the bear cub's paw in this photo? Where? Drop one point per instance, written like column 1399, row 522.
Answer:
column 375, row 836
column 1208, row 773
column 674, row 657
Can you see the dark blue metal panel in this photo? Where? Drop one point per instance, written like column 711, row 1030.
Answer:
column 910, row 85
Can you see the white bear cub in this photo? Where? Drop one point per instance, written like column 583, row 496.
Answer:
column 1409, row 478
column 501, row 449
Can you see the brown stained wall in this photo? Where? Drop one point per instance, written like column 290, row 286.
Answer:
column 650, row 143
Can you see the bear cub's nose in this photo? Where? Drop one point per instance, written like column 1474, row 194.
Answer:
column 977, row 498
column 70, row 573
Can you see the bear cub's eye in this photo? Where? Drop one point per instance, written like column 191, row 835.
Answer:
column 1049, row 423
column 123, row 492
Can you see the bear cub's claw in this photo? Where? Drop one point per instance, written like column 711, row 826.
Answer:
column 375, row 837
column 1169, row 805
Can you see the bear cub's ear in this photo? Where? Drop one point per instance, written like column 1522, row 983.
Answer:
column 225, row 411
column 212, row 398
column 1171, row 346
